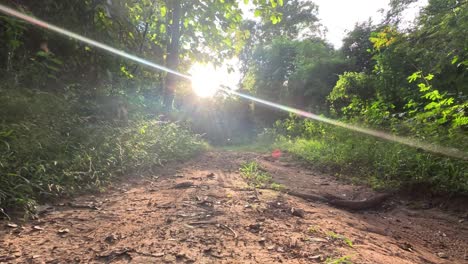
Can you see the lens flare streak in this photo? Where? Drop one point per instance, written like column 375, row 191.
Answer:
column 406, row 141
column 452, row 152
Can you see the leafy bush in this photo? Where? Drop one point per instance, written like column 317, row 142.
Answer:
column 48, row 150
column 380, row 163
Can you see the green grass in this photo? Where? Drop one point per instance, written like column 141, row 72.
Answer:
column 258, row 178
column 367, row 160
column 340, row 260
column 48, row 150
column 336, row 236
column 378, row 163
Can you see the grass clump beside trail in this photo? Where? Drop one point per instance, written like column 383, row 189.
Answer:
column 380, row 163
column 257, row 177
column 341, row 260
column 48, row 150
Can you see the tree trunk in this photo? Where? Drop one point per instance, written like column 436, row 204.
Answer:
column 172, row 60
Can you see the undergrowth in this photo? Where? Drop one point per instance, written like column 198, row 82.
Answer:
column 379, row 163
column 257, row 177
column 340, row 260
column 48, row 150
column 335, row 236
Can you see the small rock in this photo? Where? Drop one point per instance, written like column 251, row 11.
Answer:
column 12, row 225
column 318, row 239
column 169, row 258
column 271, row 247
column 406, row 246
column 255, row 228
column 63, row 231
column 318, row 257
column 297, row 212
column 280, row 249
column 262, row 240
column 43, row 209
column 37, row 228
column 188, row 258
column 248, row 206
column 111, row 238
column 442, row 255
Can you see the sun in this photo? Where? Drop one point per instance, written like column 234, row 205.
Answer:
column 206, row 79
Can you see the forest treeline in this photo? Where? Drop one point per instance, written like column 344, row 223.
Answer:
column 406, row 79
column 73, row 117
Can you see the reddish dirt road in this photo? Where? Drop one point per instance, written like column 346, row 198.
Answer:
column 218, row 219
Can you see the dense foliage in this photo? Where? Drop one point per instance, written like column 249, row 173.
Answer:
column 50, row 149
column 408, row 81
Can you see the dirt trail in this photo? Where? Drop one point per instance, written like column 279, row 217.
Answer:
column 162, row 219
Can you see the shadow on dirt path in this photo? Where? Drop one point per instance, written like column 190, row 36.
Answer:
column 202, row 211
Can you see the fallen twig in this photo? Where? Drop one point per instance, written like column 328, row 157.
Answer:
column 5, row 214
column 157, row 255
column 114, row 254
column 230, row 229
column 214, row 223
column 204, row 223
column 83, row 206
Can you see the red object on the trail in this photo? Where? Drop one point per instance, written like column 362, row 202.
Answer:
column 276, row 154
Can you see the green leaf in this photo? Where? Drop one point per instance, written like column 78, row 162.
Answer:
column 429, row 77
column 275, row 18
column 163, row 11
column 413, row 77
column 423, row 87
column 42, row 54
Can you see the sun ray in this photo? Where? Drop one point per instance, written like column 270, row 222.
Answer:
column 205, row 80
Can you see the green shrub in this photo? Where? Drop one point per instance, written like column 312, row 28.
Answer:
column 380, row 163
column 48, row 150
